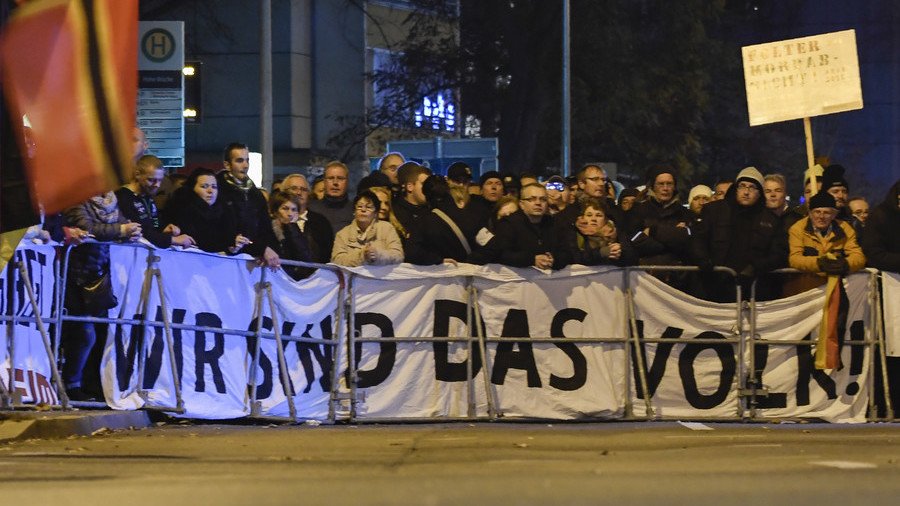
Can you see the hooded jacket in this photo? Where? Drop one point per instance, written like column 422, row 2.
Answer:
column 881, row 242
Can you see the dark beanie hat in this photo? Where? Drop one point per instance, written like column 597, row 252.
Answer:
column 832, row 176
column 654, row 171
column 491, row 174
column 628, row 192
column 822, row 199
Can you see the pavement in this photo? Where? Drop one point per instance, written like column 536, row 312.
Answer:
column 25, row 424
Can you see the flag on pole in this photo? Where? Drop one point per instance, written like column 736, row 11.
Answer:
column 834, row 323
column 71, row 67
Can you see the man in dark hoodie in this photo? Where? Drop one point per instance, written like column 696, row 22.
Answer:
column 738, row 232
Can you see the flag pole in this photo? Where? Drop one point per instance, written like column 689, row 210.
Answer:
column 810, row 157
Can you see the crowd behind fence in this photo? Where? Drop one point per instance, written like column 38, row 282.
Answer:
column 346, row 342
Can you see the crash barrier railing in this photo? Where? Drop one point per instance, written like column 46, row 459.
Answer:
column 750, row 389
column 873, row 342
column 153, row 278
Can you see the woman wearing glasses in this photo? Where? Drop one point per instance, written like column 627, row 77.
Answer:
column 367, row 241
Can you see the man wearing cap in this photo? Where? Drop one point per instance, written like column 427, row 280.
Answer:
column 467, row 214
column 821, row 245
column 738, row 232
column 491, row 186
column 835, row 184
column 558, row 193
column 659, row 226
column 699, row 196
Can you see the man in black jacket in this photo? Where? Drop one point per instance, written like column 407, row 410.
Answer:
column 314, row 227
column 659, row 226
column 336, row 206
column 246, row 203
column 526, row 237
column 738, row 232
column 136, row 202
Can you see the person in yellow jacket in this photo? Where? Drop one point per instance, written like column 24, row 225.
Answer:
column 822, row 246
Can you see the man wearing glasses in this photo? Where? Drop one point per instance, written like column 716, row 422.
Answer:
column 738, row 232
column 526, row 237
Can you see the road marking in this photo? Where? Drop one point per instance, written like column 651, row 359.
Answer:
column 714, row 435
column 695, row 425
column 758, row 445
column 844, row 464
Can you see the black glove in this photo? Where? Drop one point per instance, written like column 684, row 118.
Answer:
column 833, row 266
column 705, row 265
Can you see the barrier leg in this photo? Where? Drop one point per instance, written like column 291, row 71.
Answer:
column 351, row 348
column 45, row 336
column 470, row 383
column 9, row 390
column 61, row 267
column 493, row 412
column 882, row 357
column 254, row 364
column 143, row 310
column 282, row 363
column 639, row 357
column 335, row 350
column 170, row 344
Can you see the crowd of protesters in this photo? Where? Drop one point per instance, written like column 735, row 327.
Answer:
column 402, row 212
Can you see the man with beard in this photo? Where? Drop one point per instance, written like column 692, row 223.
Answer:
column 136, row 202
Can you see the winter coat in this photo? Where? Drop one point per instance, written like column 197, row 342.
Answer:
column 249, row 213
column 212, row 226
column 668, row 243
column 350, row 243
column 806, row 246
column 881, row 240
column 517, row 241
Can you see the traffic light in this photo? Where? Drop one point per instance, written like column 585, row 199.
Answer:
column 193, row 106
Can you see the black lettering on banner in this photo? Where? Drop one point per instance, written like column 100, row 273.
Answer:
column 515, row 325
column 264, row 388
column 444, row 370
column 657, row 369
column 771, row 399
column 125, row 357
column 806, row 370
column 203, row 357
column 857, row 355
column 323, row 354
column 155, row 359
column 686, row 358
column 579, row 363
column 387, row 354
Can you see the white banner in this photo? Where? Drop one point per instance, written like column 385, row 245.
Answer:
column 212, row 291
column 890, row 282
column 700, row 380
column 30, row 368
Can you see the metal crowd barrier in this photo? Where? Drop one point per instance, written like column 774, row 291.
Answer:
column 343, row 402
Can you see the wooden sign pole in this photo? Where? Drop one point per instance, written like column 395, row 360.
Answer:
column 810, row 158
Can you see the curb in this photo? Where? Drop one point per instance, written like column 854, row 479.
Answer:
column 21, row 425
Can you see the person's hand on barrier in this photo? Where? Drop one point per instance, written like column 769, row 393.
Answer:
column 450, row 261
column 172, row 229
column 543, row 261
column 747, row 273
column 130, row 231
column 184, row 240
column 705, row 265
column 239, row 242
column 615, row 251
column 608, row 231
column 270, row 259
column 370, row 255
column 75, row 236
column 833, row 266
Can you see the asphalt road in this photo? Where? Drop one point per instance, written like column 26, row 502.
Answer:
column 499, row 463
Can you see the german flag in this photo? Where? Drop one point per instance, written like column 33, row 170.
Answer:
column 833, row 326
column 70, row 67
